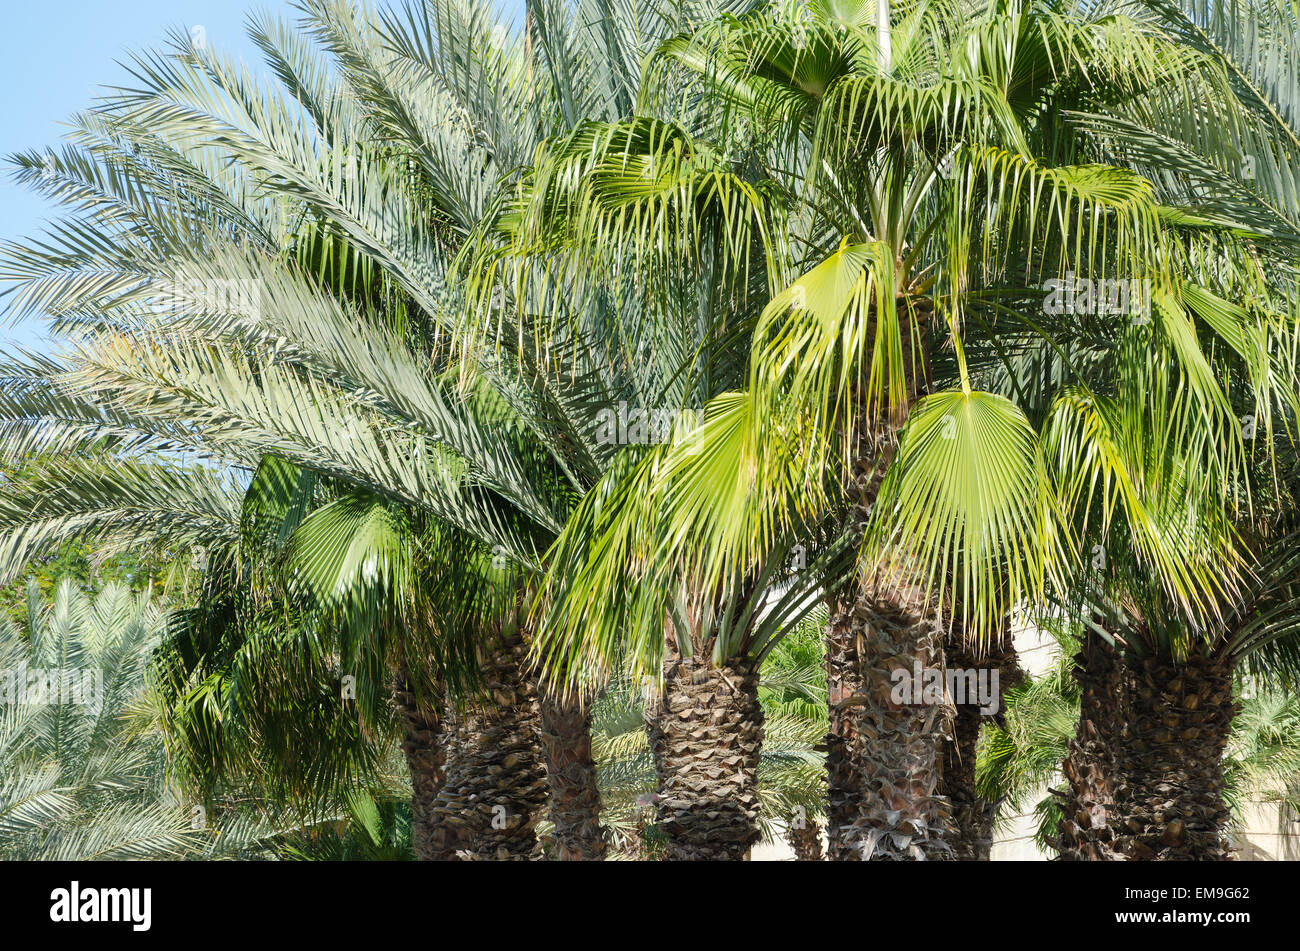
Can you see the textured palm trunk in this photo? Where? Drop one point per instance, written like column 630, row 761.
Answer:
column 705, row 731
column 1086, row 831
column 423, row 745
column 884, row 759
column 805, row 841
column 495, row 786
column 972, row 817
column 1170, row 806
column 571, row 774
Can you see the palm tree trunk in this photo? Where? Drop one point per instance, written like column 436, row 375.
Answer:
column 571, row 773
column 705, row 731
column 422, row 742
column 495, row 787
column 972, row 839
column 1086, row 830
column 1170, row 806
column 884, row 759
column 805, row 841
column 972, row 817
column 884, row 762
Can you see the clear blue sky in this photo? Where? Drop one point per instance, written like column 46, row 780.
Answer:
column 53, row 56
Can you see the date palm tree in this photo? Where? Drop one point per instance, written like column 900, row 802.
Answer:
column 152, row 175
column 82, row 773
column 90, row 772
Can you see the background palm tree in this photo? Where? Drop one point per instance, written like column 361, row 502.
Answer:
column 84, row 773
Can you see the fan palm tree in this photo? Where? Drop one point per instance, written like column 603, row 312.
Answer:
column 913, row 187
column 216, row 688
column 1154, row 697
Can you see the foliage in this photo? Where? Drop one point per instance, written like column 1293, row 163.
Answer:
column 87, row 781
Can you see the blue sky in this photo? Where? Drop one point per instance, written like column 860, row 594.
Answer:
column 54, row 55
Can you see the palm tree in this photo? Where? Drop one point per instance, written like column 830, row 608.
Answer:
column 175, row 199
column 289, row 668
column 82, row 774
column 912, row 191
column 91, row 773
column 1238, row 168
column 1145, row 773
column 1154, row 694
column 972, row 815
column 1023, row 755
